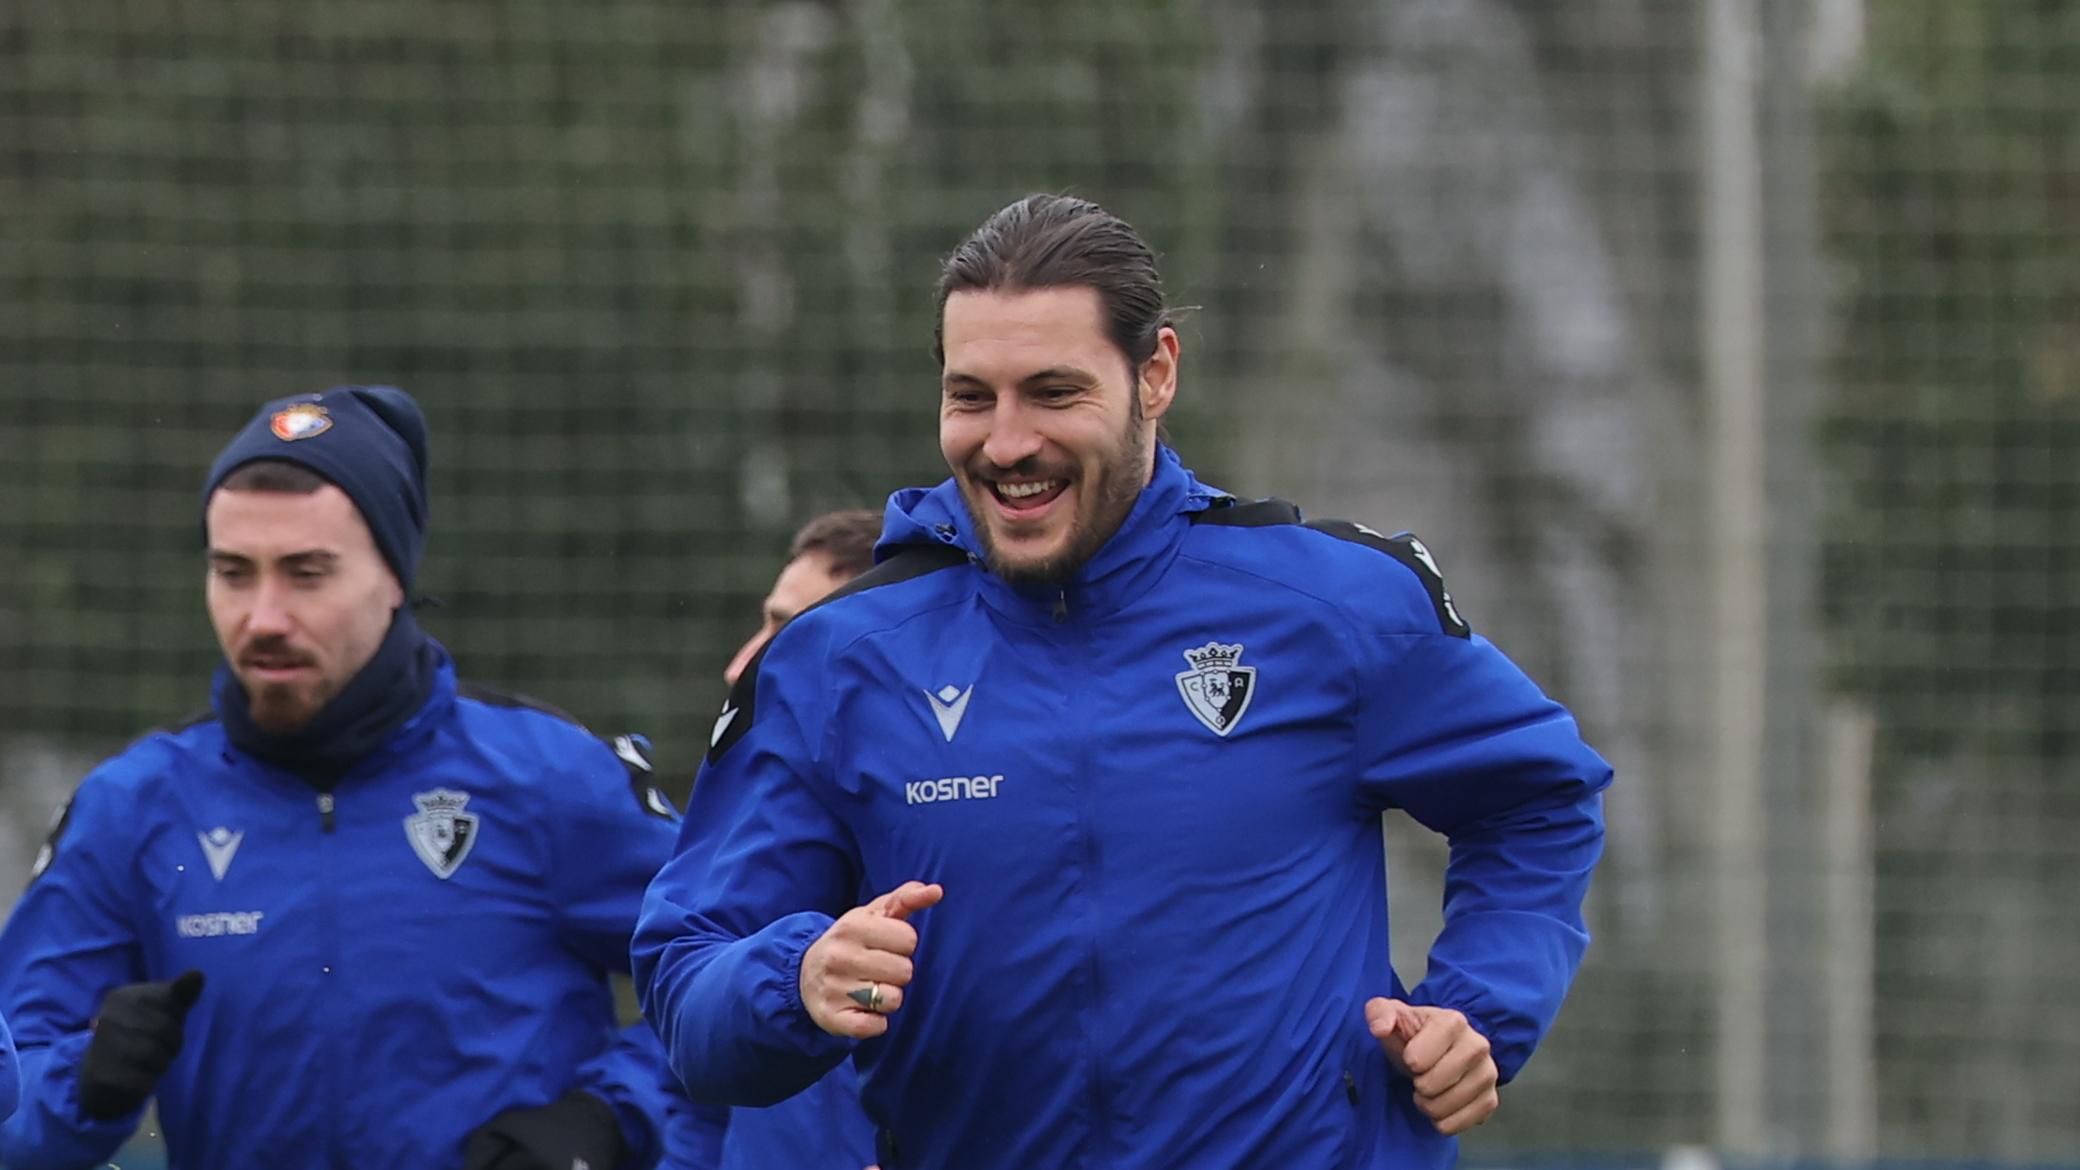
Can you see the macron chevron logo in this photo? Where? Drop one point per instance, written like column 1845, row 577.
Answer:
column 949, row 705
column 220, row 845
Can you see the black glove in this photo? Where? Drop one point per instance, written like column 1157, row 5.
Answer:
column 575, row 1132
column 136, row 1037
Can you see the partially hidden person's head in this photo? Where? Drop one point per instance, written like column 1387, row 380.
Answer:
column 313, row 521
column 827, row 552
column 1057, row 362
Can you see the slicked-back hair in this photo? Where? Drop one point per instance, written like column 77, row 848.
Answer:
column 1060, row 241
column 273, row 475
column 846, row 539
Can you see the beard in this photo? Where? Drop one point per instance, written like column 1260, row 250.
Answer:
column 1102, row 506
column 285, row 706
column 282, row 708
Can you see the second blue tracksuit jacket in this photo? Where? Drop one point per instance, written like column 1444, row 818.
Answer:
column 389, row 965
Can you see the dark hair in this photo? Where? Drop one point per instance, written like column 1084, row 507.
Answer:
column 845, row 538
column 1057, row 241
column 273, row 475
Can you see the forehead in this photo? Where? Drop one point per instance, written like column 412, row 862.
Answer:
column 1000, row 332
column 272, row 524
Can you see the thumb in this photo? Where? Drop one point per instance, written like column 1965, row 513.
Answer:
column 186, row 988
column 907, row 899
column 1393, row 1023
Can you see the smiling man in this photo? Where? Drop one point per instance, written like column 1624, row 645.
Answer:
column 1063, row 821
column 361, row 915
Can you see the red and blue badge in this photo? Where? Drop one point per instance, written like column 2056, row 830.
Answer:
column 302, row 421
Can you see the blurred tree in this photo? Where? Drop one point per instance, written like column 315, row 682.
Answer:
column 1953, row 555
column 1955, row 209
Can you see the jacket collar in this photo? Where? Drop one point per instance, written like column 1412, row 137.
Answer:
column 1124, row 568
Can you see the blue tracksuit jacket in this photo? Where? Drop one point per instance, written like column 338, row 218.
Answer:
column 820, row 1128
column 1153, row 797
column 10, row 1072
column 387, row 967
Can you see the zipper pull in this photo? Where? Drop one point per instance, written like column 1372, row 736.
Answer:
column 1061, row 607
column 325, row 804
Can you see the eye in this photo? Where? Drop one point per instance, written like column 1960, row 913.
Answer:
column 966, row 397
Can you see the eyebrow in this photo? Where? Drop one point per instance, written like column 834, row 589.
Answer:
column 310, row 556
column 1050, row 374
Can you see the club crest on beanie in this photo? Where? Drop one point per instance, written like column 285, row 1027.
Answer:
column 370, row 441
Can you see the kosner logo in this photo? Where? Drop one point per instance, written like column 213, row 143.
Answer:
column 951, row 788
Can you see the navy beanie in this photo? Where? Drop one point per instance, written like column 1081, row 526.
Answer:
column 369, row 440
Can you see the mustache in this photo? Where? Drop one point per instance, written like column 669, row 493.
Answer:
column 1028, row 468
column 274, row 651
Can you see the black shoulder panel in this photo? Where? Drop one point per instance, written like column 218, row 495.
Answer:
column 634, row 753
column 914, row 561
column 49, row 852
column 632, row 750
column 741, row 707
column 493, row 698
column 1227, row 512
column 1410, row 552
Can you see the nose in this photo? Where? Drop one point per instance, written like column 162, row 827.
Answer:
column 1012, row 436
column 271, row 615
column 745, row 654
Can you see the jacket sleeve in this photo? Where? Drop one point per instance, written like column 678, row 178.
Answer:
column 67, row 943
column 762, row 869
column 610, row 838
column 1453, row 733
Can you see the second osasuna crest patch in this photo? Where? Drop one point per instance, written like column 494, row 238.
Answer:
column 1218, row 688
column 305, row 420
column 441, row 833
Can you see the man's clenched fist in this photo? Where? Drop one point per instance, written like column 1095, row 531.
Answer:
column 1444, row 1056
column 136, row 1037
column 854, row 975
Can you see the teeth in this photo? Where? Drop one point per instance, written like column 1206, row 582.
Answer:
column 1020, row 491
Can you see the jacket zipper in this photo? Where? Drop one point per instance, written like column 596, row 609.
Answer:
column 1100, row 1095
column 332, row 1118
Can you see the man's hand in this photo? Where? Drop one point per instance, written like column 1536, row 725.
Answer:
column 854, row 976
column 575, row 1132
column 136, row 1036
column 1447, row 1060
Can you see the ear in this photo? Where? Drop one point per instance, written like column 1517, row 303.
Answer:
column 1158, row 385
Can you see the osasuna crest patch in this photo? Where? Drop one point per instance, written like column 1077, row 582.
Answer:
column 441, row 833
column 304, row 420
column 1218, row 688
